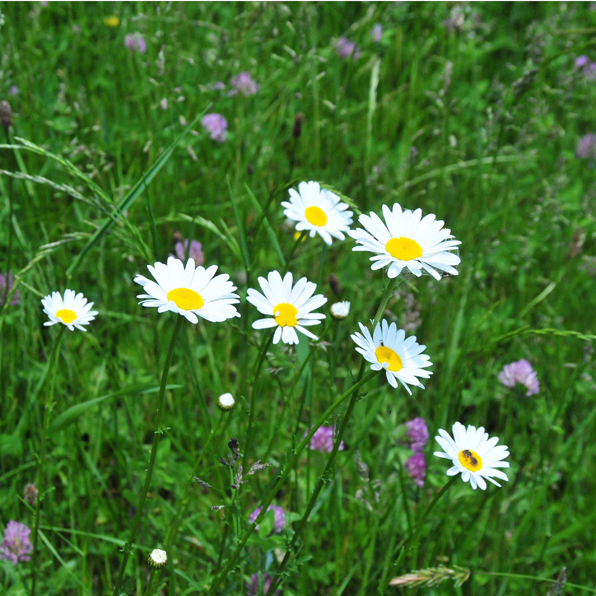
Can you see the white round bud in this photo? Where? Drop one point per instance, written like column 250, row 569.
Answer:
column 226, row 401
column 340, row 310
column 158, row 558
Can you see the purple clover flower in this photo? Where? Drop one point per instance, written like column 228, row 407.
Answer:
column 586, row 147
column 252, row 588
column 13, row 90
column 135, row 42
column 581, row 61
column 322, row 440
column 377, row 33
column 279, row 515
column 417, row 434
column 243, row 83
column 16, row 545
column 216, row 125
column 6, row 278
column 416, row 468
column 195, row 252
column 520, row 372
column 218, row 86
column 346, row 48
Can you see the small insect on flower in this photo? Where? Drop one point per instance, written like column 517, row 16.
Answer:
column 388, row 349
column 318, row 211
column 290, row 309
column 157, row 558
column 474, row 455
column 189, row 291
column 72, row 310
column 406, row 239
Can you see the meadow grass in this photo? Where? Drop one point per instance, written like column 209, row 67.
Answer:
column 472, row 112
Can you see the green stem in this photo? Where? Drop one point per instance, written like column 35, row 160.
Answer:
column 10, row 231
column 152, row 575
column 535, row 578
column 47, row 408
column 322, row 266
column 159, row 414
column 290, row 255
column 286, row 471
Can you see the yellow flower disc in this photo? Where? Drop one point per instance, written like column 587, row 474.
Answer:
column 470, row 460
column 186, row 299
column 285, row 314
column 66, row 315
column 404, row 249
column 385, row 354
column 316, row 216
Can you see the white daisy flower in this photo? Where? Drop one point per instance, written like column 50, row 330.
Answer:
column 157, row 558
column 72, row 310
column 189, row 291
column 473, row 454
column 318, row 211
column 340, row 310
column 388, row 349
column 407, row 240
column 290, row 309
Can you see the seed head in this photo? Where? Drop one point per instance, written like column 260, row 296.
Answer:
column 5, row 115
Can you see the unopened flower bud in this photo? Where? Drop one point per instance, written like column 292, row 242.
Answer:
column 5, row 115
column 340, row 310
column 157, row 558
column 226, row 402
column 31, row 494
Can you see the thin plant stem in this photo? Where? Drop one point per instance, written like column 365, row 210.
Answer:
column 10, row 231
column 290, row 255
column 157, row 433
column 152, row 575
column 47, row 408
column 322, row 266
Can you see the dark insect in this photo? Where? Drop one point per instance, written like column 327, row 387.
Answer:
column 468, row 455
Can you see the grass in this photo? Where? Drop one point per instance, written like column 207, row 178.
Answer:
column 478, row 125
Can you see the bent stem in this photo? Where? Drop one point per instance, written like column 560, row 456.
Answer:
column 47, row 408
column 159, row 414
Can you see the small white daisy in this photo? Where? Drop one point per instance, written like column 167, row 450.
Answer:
column 388, row 349
column 226, row 401
column 72, row 310
column 318, row 211
column 407, row 239
column 290, row 309
column 189, row 291
column 473, row 454
column 340, row 310
column 157, row 558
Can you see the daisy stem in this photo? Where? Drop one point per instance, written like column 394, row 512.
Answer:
column 152, row 575
column 158, row 431
column 290, row 255
column 322, row 266
column 284, row 474
column 47, row 408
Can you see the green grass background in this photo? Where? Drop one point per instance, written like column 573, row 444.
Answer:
column 494, row 112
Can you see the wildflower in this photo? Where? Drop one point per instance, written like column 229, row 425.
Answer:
column 16, row 545
column 72, row 310
column 377, row 33
column 111, row 21
column 520, row 372
column 340, row 310
column 319, row 211
column 416, row 468
column 13, row 90
column 402, row 359
column 195, row 251
column 31, row 493
column 163, row 104
column 5, row 114
column 243, row 83
column 288, row 308
column 252, row 588
column 157, row 558
column 189, row 291
column 6, row 285
column 406, row 239
column 279, row 516
column 218, row 86
column 226, row 402
column 135, row 42
column 216, row 125
column 346, row 48
column 417, row 433
column 581, row 61
column 473, row 454
column 456, row 19
column 322, row 440
column 586, row 147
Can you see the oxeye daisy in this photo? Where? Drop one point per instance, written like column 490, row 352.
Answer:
column 72, row 310
column 406, row 239
column 189, row 291
column 318, row 211
column 388, row 349
column 289, row 309
column 473, row 454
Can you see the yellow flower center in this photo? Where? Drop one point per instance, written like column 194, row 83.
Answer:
column 470, row 460
column 66, row 315
column 316, row 216
column 285, row 314
column 385, row 354
column 404, row 249
column 186, row 299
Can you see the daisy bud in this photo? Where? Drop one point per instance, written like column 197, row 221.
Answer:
column 340, row 310
column 157, row 558
column 226, row 402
